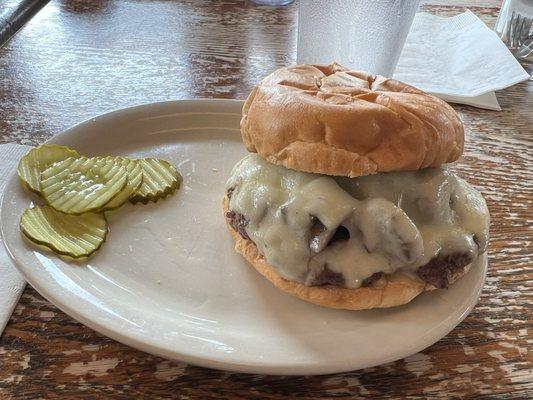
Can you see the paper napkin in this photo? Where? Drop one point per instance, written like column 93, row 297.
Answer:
column 458, row 59
column 11, row 283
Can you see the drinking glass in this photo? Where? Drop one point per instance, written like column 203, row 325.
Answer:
column 365, row 35
column 515, row 28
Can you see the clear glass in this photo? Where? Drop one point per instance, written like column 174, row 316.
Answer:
column 366, row 35
column 272, row 2
column 515, row 27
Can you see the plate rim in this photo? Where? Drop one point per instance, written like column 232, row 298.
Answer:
column 269, row 368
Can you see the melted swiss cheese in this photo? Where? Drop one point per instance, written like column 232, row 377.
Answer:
column 396, row 221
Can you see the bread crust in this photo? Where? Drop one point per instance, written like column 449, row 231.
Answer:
column 330, row 120
column 389, row 291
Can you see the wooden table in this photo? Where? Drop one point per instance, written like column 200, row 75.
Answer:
column 78, row 58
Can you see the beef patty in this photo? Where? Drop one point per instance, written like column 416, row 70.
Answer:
column 438, row 272
column 238, row 222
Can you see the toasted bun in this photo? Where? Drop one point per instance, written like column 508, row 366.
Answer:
column 389, row 291
column 330, row 120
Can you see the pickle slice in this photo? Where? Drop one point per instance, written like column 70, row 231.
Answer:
column 80, row 185
column 135, row 177
column 71, row 235
column 160, row 178
column 37, row 160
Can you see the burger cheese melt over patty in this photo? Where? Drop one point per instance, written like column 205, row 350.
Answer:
column 317, row 229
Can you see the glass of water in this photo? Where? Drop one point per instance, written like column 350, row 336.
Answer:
column 365, row 35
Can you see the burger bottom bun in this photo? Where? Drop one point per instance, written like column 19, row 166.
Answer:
column 389, row 291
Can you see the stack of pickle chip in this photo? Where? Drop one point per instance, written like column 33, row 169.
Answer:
column 78, row 189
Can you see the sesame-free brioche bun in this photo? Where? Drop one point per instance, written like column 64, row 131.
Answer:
column 330, row 120
column 389, row 291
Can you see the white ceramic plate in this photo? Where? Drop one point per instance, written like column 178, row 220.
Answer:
column 168, row 281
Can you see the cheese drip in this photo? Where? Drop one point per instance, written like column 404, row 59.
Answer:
column 304, row 223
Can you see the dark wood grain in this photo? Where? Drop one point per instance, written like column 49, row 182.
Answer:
column 79, row 58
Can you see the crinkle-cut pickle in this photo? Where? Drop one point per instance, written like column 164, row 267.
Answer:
column 39, row 159
column 80, row 185
column 79, row 189
column 135, row 177
column 160, row 179
column 75, row 236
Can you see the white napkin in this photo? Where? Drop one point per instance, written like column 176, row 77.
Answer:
column 458, row 59
column 11, row 283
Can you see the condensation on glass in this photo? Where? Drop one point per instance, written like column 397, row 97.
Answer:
column 362, row 34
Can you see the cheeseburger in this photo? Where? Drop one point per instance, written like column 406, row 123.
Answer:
column 346, row 201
